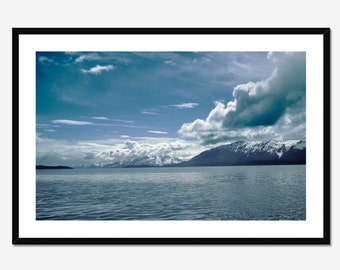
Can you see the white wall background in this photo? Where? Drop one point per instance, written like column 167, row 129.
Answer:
column 153, row 13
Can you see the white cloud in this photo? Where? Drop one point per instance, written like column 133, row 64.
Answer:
column 90, row 57
column 190, row 105
column 71, row 122
column 99, row 118
column 108, row 56
column 162, row 150
column 150, row 112
column 98, row 69
column 44, row 60
column 38, row 125
column 157, row 132
column 110, row 119
column 213, row 123
column 273, row 107
column 166, row 150
column 170, row 62
column 123, row 121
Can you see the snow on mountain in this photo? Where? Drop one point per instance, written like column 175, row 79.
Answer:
column 252, row 153
column 237, row 153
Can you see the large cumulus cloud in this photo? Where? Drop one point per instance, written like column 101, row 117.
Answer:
column 272, row 108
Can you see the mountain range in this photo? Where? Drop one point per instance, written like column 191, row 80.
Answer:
column 237, row 153
column 252, row 153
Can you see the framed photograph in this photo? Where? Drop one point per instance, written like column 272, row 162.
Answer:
column 171, row 136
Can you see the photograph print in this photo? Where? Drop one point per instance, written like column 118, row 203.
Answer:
column 171, row 135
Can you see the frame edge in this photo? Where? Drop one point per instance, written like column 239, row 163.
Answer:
column 170, row 241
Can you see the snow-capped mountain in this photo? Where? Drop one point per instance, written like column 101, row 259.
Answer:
column 252, row 153
column 238, row 153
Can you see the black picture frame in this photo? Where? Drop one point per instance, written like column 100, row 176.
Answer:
column 19, row 239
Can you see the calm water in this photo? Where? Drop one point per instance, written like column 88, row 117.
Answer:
column 192, row 193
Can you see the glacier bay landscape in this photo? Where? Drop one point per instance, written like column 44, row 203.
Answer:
column 171, row 136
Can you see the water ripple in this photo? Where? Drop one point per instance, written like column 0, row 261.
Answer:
column 203, row 193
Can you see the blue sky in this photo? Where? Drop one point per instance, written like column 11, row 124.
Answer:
column 91, row 105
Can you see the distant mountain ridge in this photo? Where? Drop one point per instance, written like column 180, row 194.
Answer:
column 145, row 161
column 252, row 153
column 43, row 167
column 233, row 154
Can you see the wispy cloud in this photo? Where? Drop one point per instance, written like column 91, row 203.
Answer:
column 45, row 60
column 92, row 56
column 112, row 119
column 71, row 122
column 157, row 132
column 98, row 69
column 170, row 62
column 108, row 56
column 38, row 125
column 99, row 118
column 150, row 112
column 190, row 105
column 127, row 124
column 122, row 121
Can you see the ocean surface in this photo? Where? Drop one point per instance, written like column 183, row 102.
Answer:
column 187, row 193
